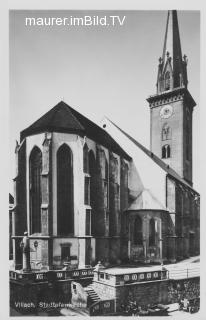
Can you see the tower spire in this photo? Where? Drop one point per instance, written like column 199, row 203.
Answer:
column 172, row 70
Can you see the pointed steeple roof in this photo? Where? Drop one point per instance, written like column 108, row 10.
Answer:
column 63, row 118
column 172, row 43
column 172, row 60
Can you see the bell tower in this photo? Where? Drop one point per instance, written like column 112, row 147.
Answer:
column 172, row 106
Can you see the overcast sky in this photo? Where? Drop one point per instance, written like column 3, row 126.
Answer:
column 97, row 70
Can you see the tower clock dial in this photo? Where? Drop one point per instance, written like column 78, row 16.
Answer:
column 166, row 111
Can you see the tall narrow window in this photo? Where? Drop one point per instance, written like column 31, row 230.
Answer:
column 65, row 214
column 106, row 177
column 187, row 141
column 87, row 176
column 167, row 80
column 86, row 159
column 88, row 222
column 166, row 132
column 35, row 189
column 93, row 189
column 166, row 151
column 152, row 232
column 87, row 190
column 138, row 231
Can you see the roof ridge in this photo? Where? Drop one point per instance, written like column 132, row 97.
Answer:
column 156, row 159
column 65, row 119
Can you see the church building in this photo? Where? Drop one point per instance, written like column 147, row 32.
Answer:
column 83, row 197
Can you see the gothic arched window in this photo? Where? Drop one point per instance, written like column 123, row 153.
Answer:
column 167, row 80
column 166, row 132
column 152, row 232
column 137, row 236
column 93, row 191
column 85, row 159
column 187, row 141
column 35, row 168
column 166, row 152
column 106, row 181
column 87, row 177
column 65, row 214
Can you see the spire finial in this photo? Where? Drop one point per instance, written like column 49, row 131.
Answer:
column 172, row 59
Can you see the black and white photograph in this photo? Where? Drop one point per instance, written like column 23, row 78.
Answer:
column 104, row 148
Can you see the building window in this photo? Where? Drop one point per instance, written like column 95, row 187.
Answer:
column 106, row 179
column 65, row 214
column 93, row 189
column 88, row 222
column 138, row 231
column 166, row 132
column 152, row 232
column 87, row 190
column 167, row 80
column 107, row 276
column 166, row 151
column 35, row 165
column 187, row 141
column 65, row 252
column 101, row 275
column 86, row 159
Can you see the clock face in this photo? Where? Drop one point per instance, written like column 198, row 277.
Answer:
column 166, row 111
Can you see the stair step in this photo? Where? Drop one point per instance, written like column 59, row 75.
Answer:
column 91, row 293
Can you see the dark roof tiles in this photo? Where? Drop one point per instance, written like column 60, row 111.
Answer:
column 63, row 118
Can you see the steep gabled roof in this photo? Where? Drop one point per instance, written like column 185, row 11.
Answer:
column 63, row 118
column 146, row 201
column 171, row 172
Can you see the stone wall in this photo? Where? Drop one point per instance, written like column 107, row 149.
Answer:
column 142, row 293
column 180, row 289
column 164, row 292
column 104, row 291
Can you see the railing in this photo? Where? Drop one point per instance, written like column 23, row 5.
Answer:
column 184, row 273
column 142, row 277
column 52, row 275
column 102, row 308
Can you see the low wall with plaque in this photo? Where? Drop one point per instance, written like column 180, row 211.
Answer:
column 141, row 285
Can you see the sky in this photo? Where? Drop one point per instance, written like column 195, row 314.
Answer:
column 98, row 70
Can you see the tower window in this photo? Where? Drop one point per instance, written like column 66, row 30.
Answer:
column 166, row 132
column 65, row 214
column 138, row 231
column 167, row 80
column 35, row 189
column 166, row 152
column 152, row 232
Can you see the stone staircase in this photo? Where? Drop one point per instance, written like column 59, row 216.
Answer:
column 92, row 295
